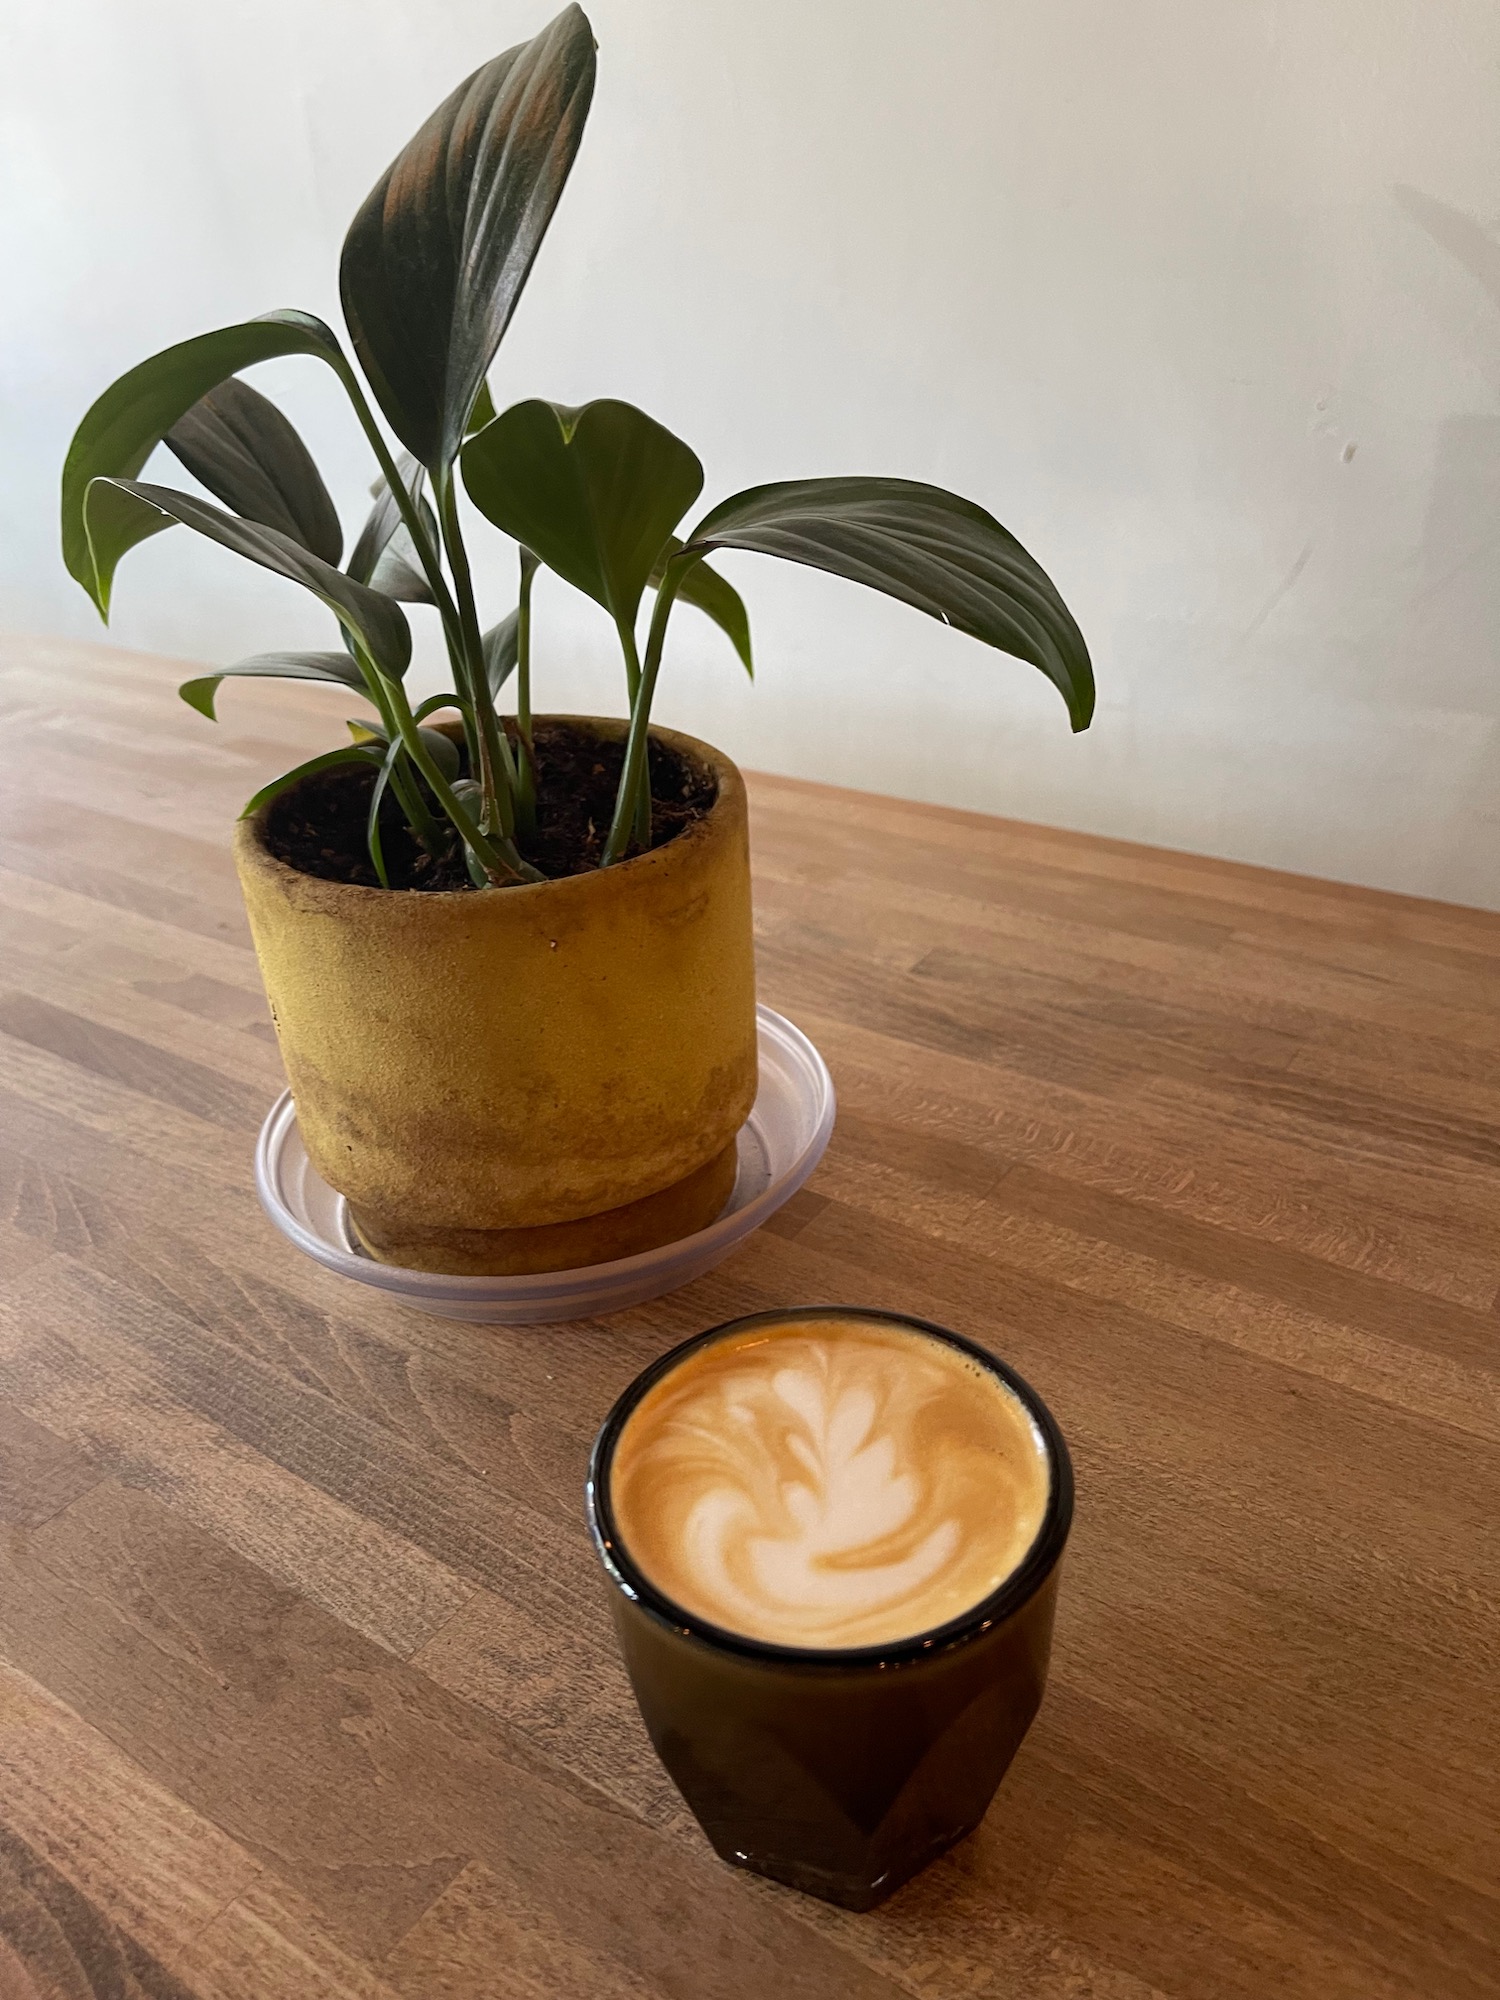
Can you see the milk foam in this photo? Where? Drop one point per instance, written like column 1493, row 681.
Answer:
column 829, row 1483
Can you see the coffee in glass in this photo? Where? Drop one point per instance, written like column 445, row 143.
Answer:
column 833, row 1539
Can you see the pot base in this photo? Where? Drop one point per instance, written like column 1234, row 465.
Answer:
column 780, row 1144
column 672, row 1213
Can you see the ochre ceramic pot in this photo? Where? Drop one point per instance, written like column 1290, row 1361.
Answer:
column 522, row 1079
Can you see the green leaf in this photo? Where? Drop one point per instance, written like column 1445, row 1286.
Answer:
column 711, row 593
column 131, row 418
column 483, row 411
column 377, row 623
column 925, row 546
column 240, row 446
column 397, row 575
column 593, row 492
column 337, row 667
column 501, row 650
column 385, row 557
column 348, row 755
column 436, row 259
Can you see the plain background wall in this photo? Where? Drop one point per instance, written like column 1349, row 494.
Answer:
column 1203, row 300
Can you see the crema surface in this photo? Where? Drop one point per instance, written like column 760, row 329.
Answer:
column 828, row 1483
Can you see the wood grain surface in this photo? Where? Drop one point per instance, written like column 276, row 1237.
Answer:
column 308, row 1690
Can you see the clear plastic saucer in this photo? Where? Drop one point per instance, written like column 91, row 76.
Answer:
column 782, row 1141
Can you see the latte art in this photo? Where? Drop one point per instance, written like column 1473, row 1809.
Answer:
column 829, row 1483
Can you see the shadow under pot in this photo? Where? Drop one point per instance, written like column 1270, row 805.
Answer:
column 840, row 1772
column 530, row 1078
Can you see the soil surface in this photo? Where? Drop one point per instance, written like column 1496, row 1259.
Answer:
column 318, row 826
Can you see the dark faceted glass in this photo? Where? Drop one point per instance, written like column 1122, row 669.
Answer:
column 840, row 1772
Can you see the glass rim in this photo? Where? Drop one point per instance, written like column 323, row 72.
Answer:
column 1019, row 1586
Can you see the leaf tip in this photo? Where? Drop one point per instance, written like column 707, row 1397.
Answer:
column 199, row 694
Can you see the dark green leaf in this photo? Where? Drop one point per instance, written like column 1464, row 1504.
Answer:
column 397, row 575
column 483, row 411
column 925, row 546
column 338, row 667
column 592, row 492
column 500, row 651
column 348, row 755
column 133, row 415
column 385, row 556
column 379, row 624
column 711, row 593
column 245, row 452
column 435, row 261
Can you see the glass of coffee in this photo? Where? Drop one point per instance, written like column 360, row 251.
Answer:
column 832, row 1538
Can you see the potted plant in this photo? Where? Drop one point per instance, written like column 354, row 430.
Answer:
column 508, row 956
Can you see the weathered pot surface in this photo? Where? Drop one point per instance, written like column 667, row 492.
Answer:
column 521, row 1079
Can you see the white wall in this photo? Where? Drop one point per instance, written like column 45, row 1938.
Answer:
column 1201, row 297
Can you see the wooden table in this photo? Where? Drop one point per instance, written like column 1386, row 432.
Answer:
column 309, row 1689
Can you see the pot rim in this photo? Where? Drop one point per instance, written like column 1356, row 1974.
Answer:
column 250, row 828
column 1025, row 1580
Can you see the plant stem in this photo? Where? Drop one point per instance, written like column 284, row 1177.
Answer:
column 416, row 527
column 496, row 853
column 497, row 771
column 632, row 661
column 408, row 796
column 411, row 514
column 635, row 776
column 526, row 777
column 642, row 820
column 418, row 818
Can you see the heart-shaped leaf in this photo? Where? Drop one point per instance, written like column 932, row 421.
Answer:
column 436, row 259
column 712, row 594
column 134, row 414
column 593, row 492
column 925, row 546
column 337, row 667
column 378, row 623
column 246, row 453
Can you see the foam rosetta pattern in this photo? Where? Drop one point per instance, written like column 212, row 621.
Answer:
column 829, row 1484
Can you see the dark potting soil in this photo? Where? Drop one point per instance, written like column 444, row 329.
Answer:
column 318, row 826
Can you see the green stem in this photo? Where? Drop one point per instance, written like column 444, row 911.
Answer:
column 408, row 796
column 632, row 661
column 526, row 775
column 497, row 771
column 418, row 818
column 496, row 854
column 634, row 778
column 411, row 514
column 427, row 555
column 641, row 825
